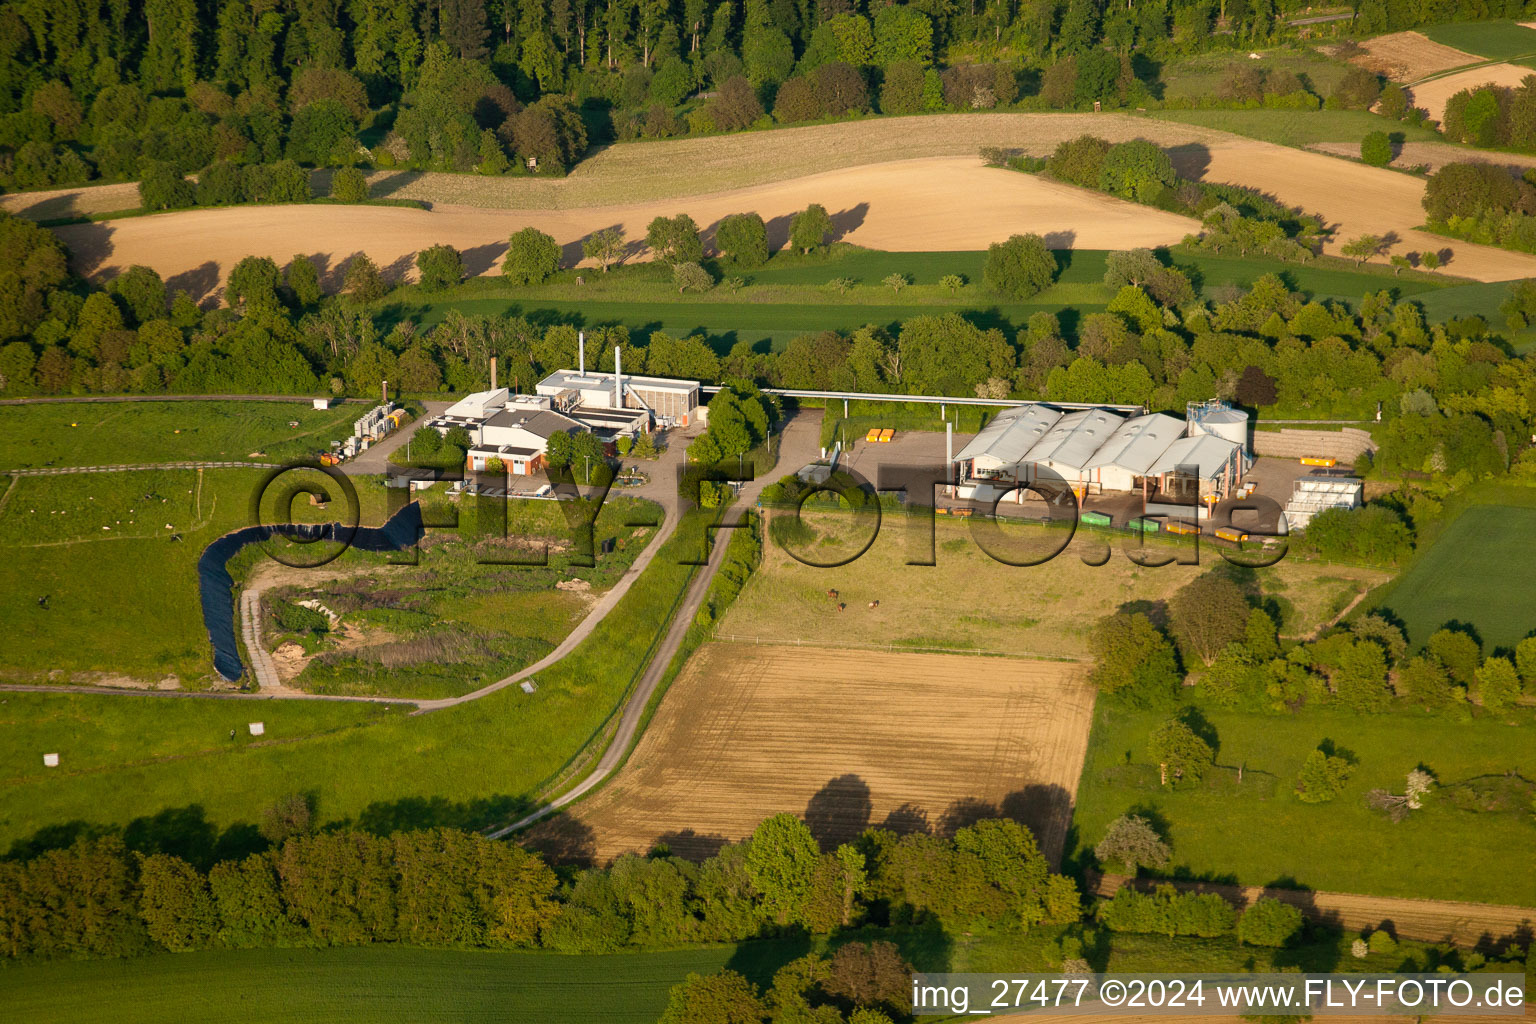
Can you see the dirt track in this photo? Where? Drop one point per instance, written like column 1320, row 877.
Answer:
column 912, row 205
column 1432, row 96
column 846, row 739
column 1465, row 924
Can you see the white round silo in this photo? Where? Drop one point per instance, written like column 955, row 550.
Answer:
column 1227, row 424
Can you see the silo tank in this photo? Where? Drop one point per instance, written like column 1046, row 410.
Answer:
column 1227, row 424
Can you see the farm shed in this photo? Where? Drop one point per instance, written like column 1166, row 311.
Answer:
column 1123, row 461
column 1005, row 442
column 1069, row 446
column 1217, row 465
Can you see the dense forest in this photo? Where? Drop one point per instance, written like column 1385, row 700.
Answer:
column 92, row 89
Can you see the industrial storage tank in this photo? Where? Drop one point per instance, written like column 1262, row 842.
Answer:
column 1227, row 424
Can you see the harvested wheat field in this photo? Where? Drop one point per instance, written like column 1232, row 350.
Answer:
column 1353, row 199
column 639, row 172
column 1408, row 56
column 912, row 205
column 900, row 184
column 1432, row 95
column 846, row 739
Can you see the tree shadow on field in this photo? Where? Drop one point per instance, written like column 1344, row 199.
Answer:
column 481, row 258
column 381, row 186
column 1191, row 160
column 562, row 840
column 759, row 959
column 778, row 231
column 397, row 272
column 1060, row 239
column 89, row 246
column 839, row 811
column 201, row 283
column 414, row 813
column 1156, row 611
column 908, row 819
column 689, row 845
column 183, row 832
column 845, row 222
column 1043, row 808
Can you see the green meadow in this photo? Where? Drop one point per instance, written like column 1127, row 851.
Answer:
column 1257, row 832
column 112, row 433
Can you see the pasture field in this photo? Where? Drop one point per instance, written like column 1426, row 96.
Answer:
column 94, row 588
column 398, row 771
column 1258, row 833
column 968, row 600
column 846, row 739
column 98, row 571
column 1479, row 572
column 1495, row 40
column 92, row 734
column 110, row 433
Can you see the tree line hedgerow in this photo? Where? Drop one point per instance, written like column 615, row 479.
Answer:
column 449, row 888
column 1212, row 631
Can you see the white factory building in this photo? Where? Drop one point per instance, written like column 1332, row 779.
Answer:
column 516, row 428
column 1103, row 450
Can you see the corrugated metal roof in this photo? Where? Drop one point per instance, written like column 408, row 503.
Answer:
column 1138, row 442
column 1011, row 434
column 1207, row 451
column 1072, row 442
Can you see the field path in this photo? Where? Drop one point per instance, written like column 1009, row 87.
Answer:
column 1428, row 920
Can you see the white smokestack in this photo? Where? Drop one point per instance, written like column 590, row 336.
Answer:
column 581, row 353
column 949, row 446
column 618, row 377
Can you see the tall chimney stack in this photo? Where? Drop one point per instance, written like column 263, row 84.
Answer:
column 581, row 353
column 493, row 373
column 618, row 377
column 384, row 391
